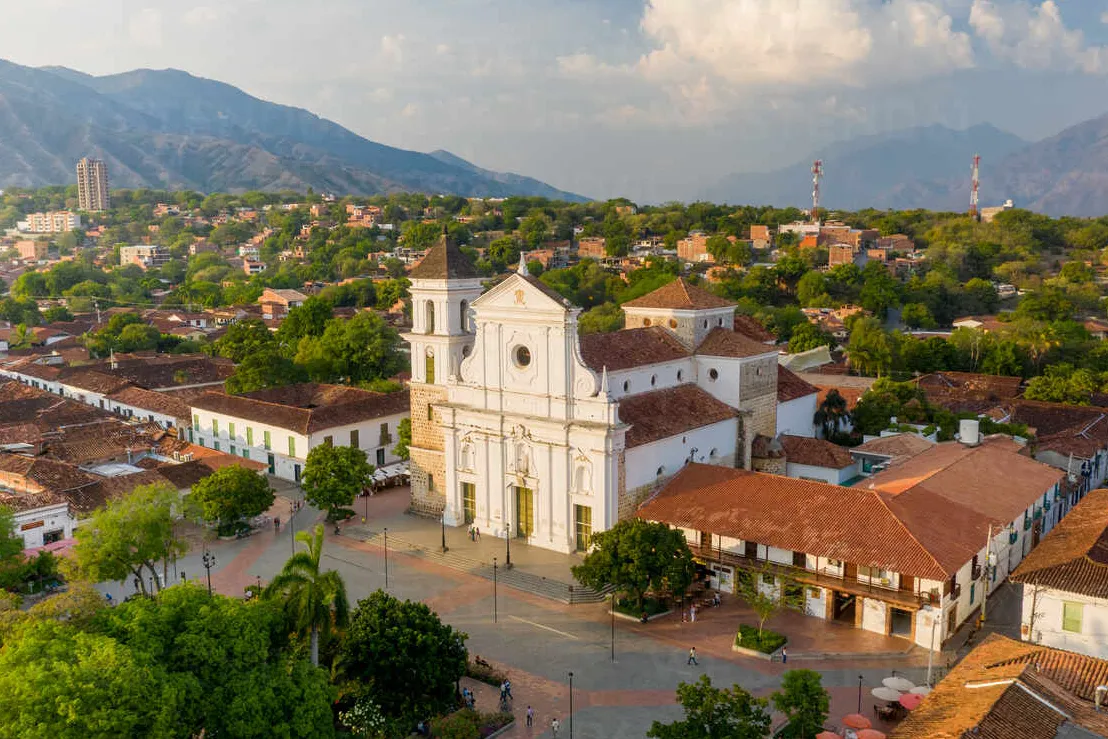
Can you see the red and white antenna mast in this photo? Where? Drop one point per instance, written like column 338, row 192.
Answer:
column 974, row 192
column 817, row 176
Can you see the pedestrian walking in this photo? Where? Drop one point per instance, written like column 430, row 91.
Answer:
column 508, row 689
column 276, row 524
column 692, row 614
column 477, row 531
column 530, row 717
column 784, row 655
column 554, row 726
column 692, row 657
column 503, row 691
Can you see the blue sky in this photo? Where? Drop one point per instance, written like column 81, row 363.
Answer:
column 651, row 99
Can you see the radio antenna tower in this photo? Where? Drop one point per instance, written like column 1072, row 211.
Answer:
column 974, row 191
column 817, row 176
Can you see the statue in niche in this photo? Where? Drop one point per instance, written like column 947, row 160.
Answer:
column 582, row 477
column 468, row 456
column 522, row 458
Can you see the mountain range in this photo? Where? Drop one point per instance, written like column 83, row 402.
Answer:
column 169, row 129
column 929, row 167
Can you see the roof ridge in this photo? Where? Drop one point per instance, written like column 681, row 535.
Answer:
column 884, row 504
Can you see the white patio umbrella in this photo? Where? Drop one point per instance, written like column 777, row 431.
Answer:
column 898, row 683
column 886, row 694
column 920, row 690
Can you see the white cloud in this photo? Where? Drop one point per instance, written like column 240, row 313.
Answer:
column 392, row 48
column 801, row 42
column 1035, row 37
column 201, row 15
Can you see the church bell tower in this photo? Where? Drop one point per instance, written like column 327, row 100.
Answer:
column 444, row 284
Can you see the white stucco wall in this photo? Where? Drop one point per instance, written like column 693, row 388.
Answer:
column 796, row 416
column 809, row 472
column 32, row 524
column 652, row 377
column 1047, row 607
column 873, row 615
column 671, row 453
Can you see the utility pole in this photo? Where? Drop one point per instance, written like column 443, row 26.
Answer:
column 974, row 209
column 931, row 651
column 817, row 177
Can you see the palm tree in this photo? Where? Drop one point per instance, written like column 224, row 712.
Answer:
column 313, row 600
column 832, row 414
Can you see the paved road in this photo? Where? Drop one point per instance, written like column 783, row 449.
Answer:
column 540, row 642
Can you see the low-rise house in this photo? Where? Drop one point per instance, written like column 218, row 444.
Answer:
column 1065, row 582
column 276, row 303
column 820, row 460
column 281, row 425
column 910, row 552
column 164, row 409
column 253, row 267
column 887, row 450
column 147, row 256
column 980, row 323
column 1006, row 688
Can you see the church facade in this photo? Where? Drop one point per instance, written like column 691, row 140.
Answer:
column 525, row 429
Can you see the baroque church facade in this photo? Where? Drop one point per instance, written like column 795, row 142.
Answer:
column 523, row 428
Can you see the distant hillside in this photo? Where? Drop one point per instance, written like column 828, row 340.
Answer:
column 915, row 168
column 168, row 129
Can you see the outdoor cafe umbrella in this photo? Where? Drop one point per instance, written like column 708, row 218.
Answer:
column 911, row 701
column 871, row 734
column 828, row 735
column 898, row 683
column 886, row 694
column 921, row 690
column 856, row 721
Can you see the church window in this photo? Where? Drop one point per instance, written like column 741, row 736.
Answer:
column 522, row 356
column 705, row 324
column 430, row 412
column 719, row 322
column 661, row 471
column 713, row 374
column 465, row 316
column 646, row 321
column 430, row 380
column 673, row 323
column 680, row 375
column 653, row 380
column 626, row 386
column 713, row 454
column 430, row 317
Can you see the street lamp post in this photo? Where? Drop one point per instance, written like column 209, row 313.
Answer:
column 494, row 589
column 365, row 511
column 508, row 546
column 444, row 547
column 571, row 705
column 613, row 627
column 209, row 562
column 386, row 558
column 860, row 679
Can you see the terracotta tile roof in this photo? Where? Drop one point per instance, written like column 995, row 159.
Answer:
column 93, row 381
column 723, row 343
column 663, row 413
column 750, row 327
column 632, row 347
column 307, row 407
column 992, row 693
column 155, row 402
column 444, row 261
column 850, row 524
column 54, row 476
column 791, row 387
column 1074, row 555
column 949, row 495
column 898, row 447
column 815, row 452
column 679, row 295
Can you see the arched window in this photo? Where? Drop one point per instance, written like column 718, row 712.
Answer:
column 429, row 317
column 465, row 316
column 430, row 367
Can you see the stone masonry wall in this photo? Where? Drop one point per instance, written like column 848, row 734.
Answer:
column 427, row 460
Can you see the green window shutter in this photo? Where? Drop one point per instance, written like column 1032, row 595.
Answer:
column 292, row 447
column 266, row 438
column 249, row 436
column 1072, row 616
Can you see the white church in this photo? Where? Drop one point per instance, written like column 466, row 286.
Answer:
column 525, row 429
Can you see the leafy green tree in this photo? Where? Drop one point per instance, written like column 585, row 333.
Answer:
column 231, row 494
column 917, row 315
column 361, row 349
column 869, row 349
column 811, row 289
column 59, row 681
column 808, row 336
column 880, row 290
column 230, row 668
column 638, row 556
column 266, row 367
column 129, row 536
column 805, row 703
column 403, row 438
column 56, row 313
column 410, row 658
column 309, row 319
column 244, row 338
column 766, row 602
column 712, row 712
column 11, row 545
column 314, row 601
column 602, row 319
column 333, row 477
column 534, row 230
column 1062, row 383
column 136, row 337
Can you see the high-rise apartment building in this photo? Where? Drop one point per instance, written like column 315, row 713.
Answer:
column 92, row 185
